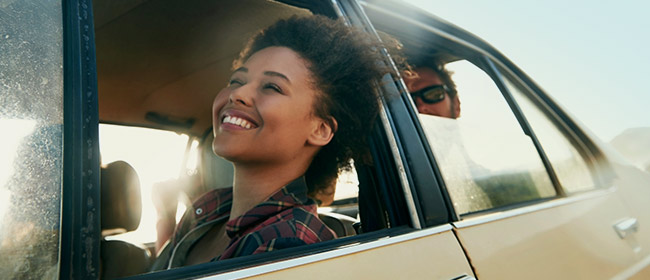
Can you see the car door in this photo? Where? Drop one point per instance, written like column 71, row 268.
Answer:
column 572, row 233
column 633, row 186
column 565, row 153
column 513, row 219
column 531, row 193
column 530, row 199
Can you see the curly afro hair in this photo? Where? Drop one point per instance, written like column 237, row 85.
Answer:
column 344, row 64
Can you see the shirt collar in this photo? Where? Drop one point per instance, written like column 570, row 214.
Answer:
column 211, row 206
column 295, row 193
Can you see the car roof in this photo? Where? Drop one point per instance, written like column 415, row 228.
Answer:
column 161, row 63
column 157, row 68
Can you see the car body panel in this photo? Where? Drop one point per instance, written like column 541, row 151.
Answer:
column 563, row 238
column 633, row 187
column 427, row 254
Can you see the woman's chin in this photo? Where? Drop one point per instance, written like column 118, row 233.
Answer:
column 224, row 151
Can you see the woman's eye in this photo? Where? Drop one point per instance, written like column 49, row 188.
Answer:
column 273, row 87
column 235, row 82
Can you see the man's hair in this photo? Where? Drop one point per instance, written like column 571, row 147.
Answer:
column 396, row 51
column 445, row 76
column 344, row 63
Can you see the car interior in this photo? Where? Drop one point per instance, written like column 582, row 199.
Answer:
column 159, row 66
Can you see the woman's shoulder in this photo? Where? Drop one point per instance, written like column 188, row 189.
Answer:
column 294, row 227
column 300, row 221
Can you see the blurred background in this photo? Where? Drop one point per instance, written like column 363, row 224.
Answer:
column 591, row 56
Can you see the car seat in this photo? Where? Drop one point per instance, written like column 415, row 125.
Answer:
column 121, row 208
column 341, row 224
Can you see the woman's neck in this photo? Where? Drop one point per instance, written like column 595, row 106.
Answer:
column 254, row 184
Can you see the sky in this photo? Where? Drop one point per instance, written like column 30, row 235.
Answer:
column 590, row 56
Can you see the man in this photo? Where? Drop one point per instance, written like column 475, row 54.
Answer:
column 433, row 91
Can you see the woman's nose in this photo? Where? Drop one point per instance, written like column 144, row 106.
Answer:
column 243, row 95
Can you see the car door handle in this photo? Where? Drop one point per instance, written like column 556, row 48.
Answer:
column 626, row 227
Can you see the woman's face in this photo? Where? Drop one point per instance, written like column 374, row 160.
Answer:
column 265, row 114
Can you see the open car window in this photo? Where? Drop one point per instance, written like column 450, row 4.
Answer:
column 495, row 148
column 486, row 159
column 159, row 66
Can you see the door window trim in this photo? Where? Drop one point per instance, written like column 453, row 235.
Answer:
column 523, row 122
column 80, row 225
column 481, row 218
column 313, row 258
column 589, row 155
column 428, row 198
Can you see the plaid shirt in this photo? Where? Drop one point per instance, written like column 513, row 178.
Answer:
column 287, row 219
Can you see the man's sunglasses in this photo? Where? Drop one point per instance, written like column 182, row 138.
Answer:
column 431, row 94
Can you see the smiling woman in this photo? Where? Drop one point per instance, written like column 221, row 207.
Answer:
column 287, row 108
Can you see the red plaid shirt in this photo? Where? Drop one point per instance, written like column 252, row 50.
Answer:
column 287, row 219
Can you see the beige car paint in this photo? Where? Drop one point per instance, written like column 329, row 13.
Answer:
column 415, row 256
column 571, row 239
column 634, row 190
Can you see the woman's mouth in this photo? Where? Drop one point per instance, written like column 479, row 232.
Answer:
column 237, row 121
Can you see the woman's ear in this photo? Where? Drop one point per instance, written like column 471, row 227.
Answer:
column 323, row 132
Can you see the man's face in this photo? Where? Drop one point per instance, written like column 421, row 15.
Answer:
column 425, row 77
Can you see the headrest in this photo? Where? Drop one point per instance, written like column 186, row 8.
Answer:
column 121, row 202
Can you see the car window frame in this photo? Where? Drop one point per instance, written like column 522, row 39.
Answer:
column 420, row 177
column 523, row 122
column 80, row 225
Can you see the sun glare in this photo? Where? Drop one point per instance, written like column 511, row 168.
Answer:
column 156, row 155
column 8, row 145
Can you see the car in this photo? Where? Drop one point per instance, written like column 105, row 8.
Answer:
column 630, row 143
column 516, row 187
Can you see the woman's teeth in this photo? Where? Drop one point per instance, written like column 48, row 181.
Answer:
column 237, row 121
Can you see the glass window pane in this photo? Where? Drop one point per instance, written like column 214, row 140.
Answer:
column 570, row 167
column 31, row 148
column 485, row 158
